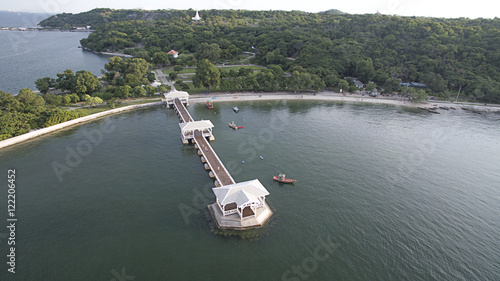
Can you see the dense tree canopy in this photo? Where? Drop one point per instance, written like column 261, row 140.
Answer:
column 206, row 74
column 26, row 111
column 445, row 54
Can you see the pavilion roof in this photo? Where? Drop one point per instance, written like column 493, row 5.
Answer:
column 240, row 193
column 200, row 125
column 176, row 94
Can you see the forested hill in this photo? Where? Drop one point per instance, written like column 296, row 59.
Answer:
column 447, row 55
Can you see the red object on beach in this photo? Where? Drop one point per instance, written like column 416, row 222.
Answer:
column 282, row 178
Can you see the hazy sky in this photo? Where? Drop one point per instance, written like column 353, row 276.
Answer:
column 431, row 8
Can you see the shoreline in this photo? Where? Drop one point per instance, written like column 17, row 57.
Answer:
column 247, row 97
column 332, row 96
column 77, row 121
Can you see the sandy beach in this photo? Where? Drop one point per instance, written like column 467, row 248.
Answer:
column 332, row 96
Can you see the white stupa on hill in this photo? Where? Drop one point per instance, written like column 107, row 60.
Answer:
column 197, row 17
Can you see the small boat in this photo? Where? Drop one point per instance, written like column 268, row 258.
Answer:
column 232, row 125
column 236, row 109
column 261, row 157
column 210, row 105
column 282, row 178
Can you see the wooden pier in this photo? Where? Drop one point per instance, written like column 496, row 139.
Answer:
column 222, row 176
column 238, row 205
column 182, row 111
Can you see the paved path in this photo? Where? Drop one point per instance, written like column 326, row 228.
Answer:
column 163, row 78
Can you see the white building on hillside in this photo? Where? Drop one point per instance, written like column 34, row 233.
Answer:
column 197, row 17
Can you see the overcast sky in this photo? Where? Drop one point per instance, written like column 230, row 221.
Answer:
column 428, row 8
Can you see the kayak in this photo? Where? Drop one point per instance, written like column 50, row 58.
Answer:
column 232, row 125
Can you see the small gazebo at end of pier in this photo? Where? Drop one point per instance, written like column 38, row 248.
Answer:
column 241, row 205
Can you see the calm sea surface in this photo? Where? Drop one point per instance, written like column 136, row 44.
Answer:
column 383, row 193
column 27, row 56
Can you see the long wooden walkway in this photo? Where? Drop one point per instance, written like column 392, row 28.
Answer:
column 216, row 166
column 181, row 109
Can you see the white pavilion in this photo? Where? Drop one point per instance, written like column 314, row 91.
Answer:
column 189, row 128
column 172, row 95
column 241, row 205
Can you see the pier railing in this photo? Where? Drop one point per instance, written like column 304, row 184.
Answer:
column 221, row 174
column 181, row 109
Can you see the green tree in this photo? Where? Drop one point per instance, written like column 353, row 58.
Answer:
column 114, row 102
column 244, row 71
column 365, row 70
column 29, row 99
column 86, row 83
column 370, row 86
column 114, row 64
column 54, row 100
column 210, row 52
column 418, row 96
column 124, row 91
column 161, row 59
column 163, row 88
column 66, row 80
column 331, row 81
column 353, row 88
column 267, row 81
column 60, row 116
column 93, row 101
column 172, row 75
column 139, row 91
column 66, row 99
column 343, row 85
column 227, row 85
column 150, row 90
column 8, row 102
column 206, row 75
column 43, row 84
column 178, row 68
column 181, row 85
column 133, row 72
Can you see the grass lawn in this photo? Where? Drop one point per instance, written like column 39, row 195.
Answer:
column 192, row 90
column 184, row 70
column 236, row 68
